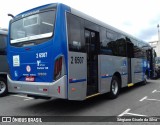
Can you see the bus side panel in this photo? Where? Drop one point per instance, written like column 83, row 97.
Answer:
column 137, row 70
column 108, row 66
column 77, row 85
column 124, row 71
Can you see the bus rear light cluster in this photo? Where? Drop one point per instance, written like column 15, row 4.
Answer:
column 45, row 90
column 58, row 68
column 59, row 89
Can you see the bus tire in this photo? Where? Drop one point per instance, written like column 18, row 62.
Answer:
column 3, row 87
column 114, row 88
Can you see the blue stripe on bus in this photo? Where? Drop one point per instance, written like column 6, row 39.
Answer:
column 77, row 80
column 83, row 80
column 105, row 77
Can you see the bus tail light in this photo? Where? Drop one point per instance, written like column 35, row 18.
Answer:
column 58, row 68
column 59, row 89
column 45, row 90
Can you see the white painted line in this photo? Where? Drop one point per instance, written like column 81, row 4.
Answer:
column 155, row 91
column 135, row 114
column 26, row 98
column 143, row 98
column 153, row 99
column 125, row 112
column 20, row 96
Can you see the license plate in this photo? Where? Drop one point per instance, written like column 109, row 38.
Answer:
column 30, row 78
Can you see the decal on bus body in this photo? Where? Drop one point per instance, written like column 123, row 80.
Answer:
column 16, row 61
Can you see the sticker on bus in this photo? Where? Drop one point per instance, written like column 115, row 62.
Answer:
column 30, row 78
column 16, row 61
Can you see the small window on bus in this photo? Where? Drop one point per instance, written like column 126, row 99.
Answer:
column 31, row 21
column 3, row 44
column 75, row 40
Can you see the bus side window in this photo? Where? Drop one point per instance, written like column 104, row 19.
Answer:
column 105, row 49
column 121, row 45
column 130, row 48
column 138, row 51
column 75, row 38
column 2, row 44
column 112, row 43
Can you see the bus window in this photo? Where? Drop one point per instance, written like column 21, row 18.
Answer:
column 121, row 45
column 75, row 39
column 2, row 44
column 33, row 27
column 116, row 43
column 138, row 52
column 104, row 43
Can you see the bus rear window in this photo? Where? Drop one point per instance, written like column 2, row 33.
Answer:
column 34, row 28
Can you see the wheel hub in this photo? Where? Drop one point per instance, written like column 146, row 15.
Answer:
column 2, row 87
column 115, row 87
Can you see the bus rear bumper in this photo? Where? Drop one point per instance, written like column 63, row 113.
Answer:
column 57, row 88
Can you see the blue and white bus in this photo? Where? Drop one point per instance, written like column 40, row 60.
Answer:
column 57, row 51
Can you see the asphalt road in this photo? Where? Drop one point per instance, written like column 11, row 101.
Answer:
column 139, row 100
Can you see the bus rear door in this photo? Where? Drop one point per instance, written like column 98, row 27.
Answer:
column 92, row 40
column 129, row 61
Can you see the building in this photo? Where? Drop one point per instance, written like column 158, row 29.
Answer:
column 156, row 46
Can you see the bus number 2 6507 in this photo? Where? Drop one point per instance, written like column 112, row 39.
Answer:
column 77, row 60
column 41, row 55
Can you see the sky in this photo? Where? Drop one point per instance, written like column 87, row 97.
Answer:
column 136, row 17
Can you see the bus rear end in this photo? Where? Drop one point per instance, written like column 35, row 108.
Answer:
column 37, row 52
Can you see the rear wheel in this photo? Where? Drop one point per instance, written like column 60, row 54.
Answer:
column 3, row 87
column 114, row 88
